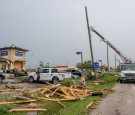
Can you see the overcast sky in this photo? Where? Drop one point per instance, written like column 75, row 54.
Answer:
column 53, row 30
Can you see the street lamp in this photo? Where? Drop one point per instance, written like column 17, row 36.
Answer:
column 48, row 64
column 100, row 61
column 80, row 53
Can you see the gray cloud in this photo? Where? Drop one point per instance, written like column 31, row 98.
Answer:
column 54, row 30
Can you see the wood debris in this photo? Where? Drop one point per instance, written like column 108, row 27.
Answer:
column 89, row 105
column 27, row 110
column 62, row 93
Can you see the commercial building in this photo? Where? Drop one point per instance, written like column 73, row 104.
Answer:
column 12, row 57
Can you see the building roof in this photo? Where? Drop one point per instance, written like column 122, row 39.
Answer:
column 13, row 47
column 4, row 60
column 61, row 66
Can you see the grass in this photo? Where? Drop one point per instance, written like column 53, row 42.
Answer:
column 72, row 107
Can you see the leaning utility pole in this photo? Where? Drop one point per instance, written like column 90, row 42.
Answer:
column 90, row 41
column 108, row 59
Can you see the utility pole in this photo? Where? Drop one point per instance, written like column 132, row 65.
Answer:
column 90, row 41
column 115, row 62
column 107, row 58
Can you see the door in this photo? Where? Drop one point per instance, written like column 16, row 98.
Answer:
column 45, row 75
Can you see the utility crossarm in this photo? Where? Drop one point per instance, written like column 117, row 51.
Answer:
column 123, row 57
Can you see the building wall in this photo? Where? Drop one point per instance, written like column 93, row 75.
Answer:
column 4, row 63
column 17, row 57
column 11, row 55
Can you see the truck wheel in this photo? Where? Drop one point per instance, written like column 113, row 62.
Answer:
column 0, row 79
column 121, row 81
column 31, row 80
column 55, row 80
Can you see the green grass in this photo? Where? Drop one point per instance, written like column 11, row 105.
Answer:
column 72, row 107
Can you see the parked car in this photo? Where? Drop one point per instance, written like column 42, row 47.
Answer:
column 46, row 74
column 18, row 73
column 75, row 73
column 2, row 76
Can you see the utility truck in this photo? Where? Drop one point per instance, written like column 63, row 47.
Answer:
column 127, row 72
column 127, row 69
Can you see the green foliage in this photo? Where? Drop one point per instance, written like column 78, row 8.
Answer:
column 67, row 83
column 4, row 109
column 101, row 75
column 86, row 65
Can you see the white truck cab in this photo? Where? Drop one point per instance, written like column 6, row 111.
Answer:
column 46, row 74
column 127, row 72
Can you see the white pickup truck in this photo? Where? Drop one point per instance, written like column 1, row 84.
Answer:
column 47, row 74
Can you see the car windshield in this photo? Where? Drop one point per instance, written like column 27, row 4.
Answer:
column 127, row 67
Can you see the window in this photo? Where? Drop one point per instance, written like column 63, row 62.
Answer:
column 40, row 70
column 46, row 70
column 54, row 71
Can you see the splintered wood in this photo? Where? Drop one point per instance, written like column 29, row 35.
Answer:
column 27, row 110
column 50, row 92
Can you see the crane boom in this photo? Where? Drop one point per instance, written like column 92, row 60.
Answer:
column 123, row 57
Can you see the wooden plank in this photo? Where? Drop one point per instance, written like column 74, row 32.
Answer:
column 27, row 110
column 61, row 89
column 49, row 99
column 44, row 91
column 72, row 93
column 54, row 92
column 89, row 105
column 17, row 102
column 61, row 104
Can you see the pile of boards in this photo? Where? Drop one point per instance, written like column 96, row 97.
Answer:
column 51, row 92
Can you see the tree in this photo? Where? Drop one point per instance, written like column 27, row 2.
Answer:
column 86, row 65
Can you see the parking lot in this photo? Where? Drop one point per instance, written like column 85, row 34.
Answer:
column 21, row 83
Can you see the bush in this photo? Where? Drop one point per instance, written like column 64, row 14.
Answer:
column 67, row 83
column 101, row 75
column 4, row 109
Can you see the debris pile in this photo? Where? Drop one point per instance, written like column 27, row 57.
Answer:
column 50, row 92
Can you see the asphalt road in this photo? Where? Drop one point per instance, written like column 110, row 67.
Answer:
column 120, row 102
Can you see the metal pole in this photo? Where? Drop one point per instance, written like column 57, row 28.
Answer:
column 81, row 58
column 107, row 58
column 101, row 62
column 90, row 41
column 115, row 62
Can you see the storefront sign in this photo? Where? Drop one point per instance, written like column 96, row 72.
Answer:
column 4, row 53
column 18, row 53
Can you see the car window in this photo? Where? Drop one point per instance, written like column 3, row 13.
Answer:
column 68, row 70
column 73, row 70
column 54, row 71
column 40, row 70
column 46, row 70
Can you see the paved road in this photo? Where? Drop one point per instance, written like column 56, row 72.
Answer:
column 121, row 102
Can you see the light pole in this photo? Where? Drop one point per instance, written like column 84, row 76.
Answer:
column 80, row 53
column 100, row 61
column 48, row 64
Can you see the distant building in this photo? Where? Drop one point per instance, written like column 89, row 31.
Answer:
column 63, row 68
column 12, row 57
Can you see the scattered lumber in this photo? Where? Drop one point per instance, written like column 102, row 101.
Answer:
column 61, row 104
column 27, row 110
column 49, row 92
column 89, row 105
column 17, row 102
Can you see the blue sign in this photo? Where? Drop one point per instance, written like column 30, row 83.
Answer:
column 96, row 65
column 4, row 53
column 18, row 53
